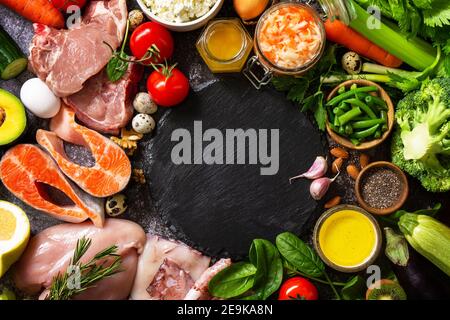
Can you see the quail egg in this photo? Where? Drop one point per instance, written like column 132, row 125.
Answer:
column 144, row 104
column 116, row 205
column 143, row 123
column 351, row 62
column 136, row 17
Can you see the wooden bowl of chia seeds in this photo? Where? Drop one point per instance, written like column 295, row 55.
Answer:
column 381, row 188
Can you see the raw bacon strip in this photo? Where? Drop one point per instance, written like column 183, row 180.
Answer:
column 25, row 170
column 112, row 169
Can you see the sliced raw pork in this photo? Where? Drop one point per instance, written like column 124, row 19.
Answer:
column 106, row 106
column 112, row 169
column 49, row 253
column 66, row 59
column 32, row 176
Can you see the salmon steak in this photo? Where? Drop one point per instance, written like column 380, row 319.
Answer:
column 112, row 169
column 32, row 176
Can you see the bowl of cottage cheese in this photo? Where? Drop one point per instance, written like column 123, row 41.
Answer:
column 181, row 15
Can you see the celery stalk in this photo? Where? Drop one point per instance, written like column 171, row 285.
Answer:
column 415, row 51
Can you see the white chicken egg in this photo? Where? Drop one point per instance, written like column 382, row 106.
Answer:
column 39, row 99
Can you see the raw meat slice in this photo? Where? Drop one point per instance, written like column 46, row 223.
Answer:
column 65, row 59
column 106, row 106
column 200, row 289
column 49, row 253
column 31, row 174
column 112, row 169
column 155, row 252
column 170, row 282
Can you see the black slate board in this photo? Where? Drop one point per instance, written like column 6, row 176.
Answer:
column 142, row 208
column 222, row 207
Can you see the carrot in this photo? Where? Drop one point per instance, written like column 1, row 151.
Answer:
column 344, row 35
column 41, row 11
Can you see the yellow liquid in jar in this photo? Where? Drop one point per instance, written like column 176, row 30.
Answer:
column 225, row 45
column 347, row 238
column 225, row 41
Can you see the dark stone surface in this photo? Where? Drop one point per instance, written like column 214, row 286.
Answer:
column 221, row 208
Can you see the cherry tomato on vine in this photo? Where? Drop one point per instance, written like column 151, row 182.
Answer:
column 151, row 42
column 298, row 288
column 64, row 4
column 168, row 86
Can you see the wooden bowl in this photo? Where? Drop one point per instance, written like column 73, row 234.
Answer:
column 403, row 195
column 368, row 144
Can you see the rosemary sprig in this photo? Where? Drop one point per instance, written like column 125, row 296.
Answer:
column 90, row 273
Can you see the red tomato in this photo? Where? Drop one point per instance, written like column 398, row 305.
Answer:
column 167, row 91
column 64, row 4
column 298, row 288
column 151, row 34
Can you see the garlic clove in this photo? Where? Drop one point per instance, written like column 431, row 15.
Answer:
column 319, row 187
column 318, row 169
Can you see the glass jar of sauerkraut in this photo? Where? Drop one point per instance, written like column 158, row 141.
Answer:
column 289, row 40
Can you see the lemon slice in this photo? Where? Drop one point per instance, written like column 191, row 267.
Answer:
column 14, row 234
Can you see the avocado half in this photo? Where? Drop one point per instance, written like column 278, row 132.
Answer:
column 13, row 119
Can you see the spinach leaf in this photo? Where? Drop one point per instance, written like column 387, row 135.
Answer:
column 116, row 67
column 299, row 254
column 269, row 269
column 233, row 281
column 354, row 289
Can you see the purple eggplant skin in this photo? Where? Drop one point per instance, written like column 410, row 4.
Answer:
column 422, row 280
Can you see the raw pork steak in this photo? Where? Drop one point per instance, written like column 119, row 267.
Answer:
column 106, row 106
column 65, row 59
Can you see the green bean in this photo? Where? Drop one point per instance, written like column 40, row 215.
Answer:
column 341, row 130
column 366, row 123
column 336, row 121
column 344, row 107
column 333, row 127
column 338, row 111
column 330, row 116
column 376, row 102
column 349, row 115
column 348, row 129
column 377, row 134
column 365, row 133
column 341, row 90
column 353, row 86
column 356, row 142
column 363, row 106
column 349, row 94
column 385, row 120
column 362, row 118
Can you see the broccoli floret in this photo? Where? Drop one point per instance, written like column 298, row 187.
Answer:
column 421, row 142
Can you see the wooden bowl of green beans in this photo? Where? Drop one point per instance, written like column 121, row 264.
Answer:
column 360, row 114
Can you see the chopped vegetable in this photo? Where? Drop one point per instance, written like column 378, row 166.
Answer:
column 421, row 144
column 12, row 60
column 342, row 34
column 290, row 37
column 40, row 11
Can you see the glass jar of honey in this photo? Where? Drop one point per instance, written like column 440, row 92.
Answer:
column 225, row 45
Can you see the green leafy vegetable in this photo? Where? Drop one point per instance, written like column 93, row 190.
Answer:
column 299, row 255
column 421, row 143
column 269, row 268
column 118, row 64
column 233, row 281
column 306, row 90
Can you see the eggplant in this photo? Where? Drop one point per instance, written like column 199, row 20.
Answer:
column 420, row 279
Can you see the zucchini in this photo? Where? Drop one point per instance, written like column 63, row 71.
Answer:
column 429, row 237
column 12, row 60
